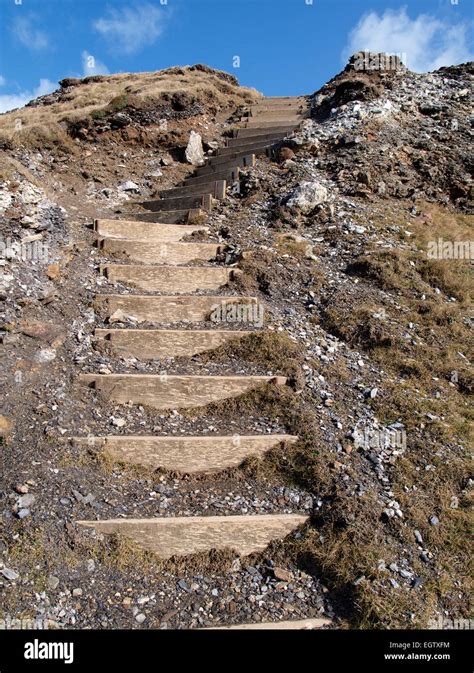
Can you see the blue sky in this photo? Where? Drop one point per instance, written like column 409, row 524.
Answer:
column 281, row 47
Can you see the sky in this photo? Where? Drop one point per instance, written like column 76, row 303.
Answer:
column 280, row 47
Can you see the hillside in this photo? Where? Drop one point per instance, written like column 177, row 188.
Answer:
column 367, row 330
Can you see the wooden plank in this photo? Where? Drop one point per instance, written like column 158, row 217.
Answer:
column 230, row 175
column 216, row 188
column 290, row 625
column 203, row 201
column 145, row 231
column 160, row 252
column 246, row 133
column 177, row 280
column 189, row 455
column 153, row 344
column 170, row 309
column 245, row 161
column 167, row 217
column 182, row 536
column 173, row 392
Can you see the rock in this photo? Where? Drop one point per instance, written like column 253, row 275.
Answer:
column 45, row 355
column 26, row 500
column 418, row 536
column 53, row 582
column 22, row 488
column 53, row 271
column 90, row 565
column 120, row 120
column 434, row 521
column 194, row 151
column 5, row 426
column 47, row 332
column 282, row 574
column 77, row 592
column 307, row 196
column 118, row 422
column 129, row 186
column 9, row 574
column 140, row 618
column 286, row 154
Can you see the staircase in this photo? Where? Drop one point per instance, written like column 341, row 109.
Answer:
column 147, row 253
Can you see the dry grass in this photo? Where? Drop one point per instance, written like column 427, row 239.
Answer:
column 47, row 123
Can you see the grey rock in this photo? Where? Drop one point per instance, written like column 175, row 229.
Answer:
column 307, row 196
column 194, row 151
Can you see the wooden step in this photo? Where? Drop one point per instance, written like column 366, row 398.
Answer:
column 230, row 175
column 145, row 231
column 232, row 154
column 189, row 455
column 154, row 344
column 217, row 189
column 194, row 201
column 168, row 217
column 172, row 309
column 173, row 392
column 246, row 161
column 259, row 147
column 263, row 124
column 269, row 138
column 247, row 133
column 291, row 625
column 181, row 536
column 160, row 253
column 177, row 280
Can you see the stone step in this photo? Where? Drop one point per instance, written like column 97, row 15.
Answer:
column 147, row 252
column 189, row 455
column 145, row 231
column 247, row 133
column 230, row 175
column 194, row 201
column 273, row 107
column 154, row 344
column 243, row 142
column 245, row 161
column 177, row 280
column 182, row 536
column 290, row 625
column 217, row 189
column 163, row 391
column 169, row 217
column 168, row 310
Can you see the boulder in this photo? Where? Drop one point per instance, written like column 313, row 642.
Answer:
column 307, row 196
column 194, row 151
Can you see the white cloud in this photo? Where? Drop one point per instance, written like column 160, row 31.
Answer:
column 2, row 80
column 31, row 37
column 130, row 29
column 16, row 100
column 425, row 43
column 92, row 66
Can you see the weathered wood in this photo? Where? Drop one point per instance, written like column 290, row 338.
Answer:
column 216, row 188
column 203, row 201
column 145, row 231
column 169, row 279
column 291, row 625
column 257, row 123
column 189, row 455
column 231, row 175
column 247, row 133
column 236, row 143
column 173, row 392
column 153, row 344
column 169, row 309
column 230, row 153
column 168, row 217
column 245, row 161
column 160, row 253
column 181, row 536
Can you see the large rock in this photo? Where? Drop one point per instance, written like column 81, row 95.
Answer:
column 194, row 151
column 307, row 196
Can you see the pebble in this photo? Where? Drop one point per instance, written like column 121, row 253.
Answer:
column 434, row 521
column 9, row 574
column 140, row 618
